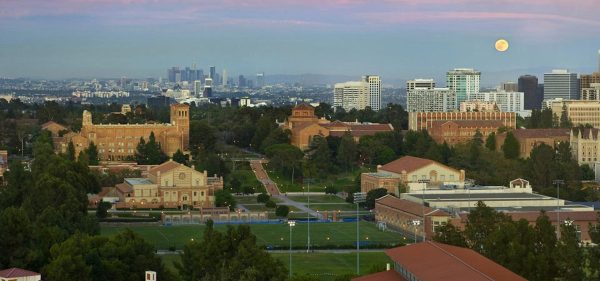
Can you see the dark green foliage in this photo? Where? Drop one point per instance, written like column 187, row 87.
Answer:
column 564, row 118
column 92, row 154
column 450, row 234
column 102, row 209
column 229, row 256
column 320, row 158
column 275, row 136
column 490, row 142
column 347, row 152
column 149, row 153
column 282, row 211
column 270, row 204
column 223, row 198
column 202, row 135
column 124, row 257
column 181, row 158
column 511, row 147
column 374, row 194
column 70, row 151
column 263, row 198
column 330, row 190
column 284, row 158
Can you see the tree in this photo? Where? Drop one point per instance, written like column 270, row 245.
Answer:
column 224, row 199
column 320, row 157
column 102, row 209
column 331, row 189
column 511, row 146
column 564, row 118
column 71, row 151
column 570, row 259
column 202, row 134
column 270, row 204
column 284, row 158
column 482, row 222
column 347, row 151
column 490, row 142
column 179, row 157
column 451, row 235
column 374, row 194
column 263, row 198
column 478, row 137
column 235, row 185
column 150, row 153
column 92, row 154
column 282, row 211
column 229, row 256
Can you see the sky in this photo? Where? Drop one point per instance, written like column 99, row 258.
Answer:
column 397, row 39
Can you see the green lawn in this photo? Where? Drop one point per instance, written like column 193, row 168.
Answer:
column 341, row 181
column 275, row 235
column 317, row 198
column 250, row 200
column 334, row 207
column 246, row 177
column 324, row 265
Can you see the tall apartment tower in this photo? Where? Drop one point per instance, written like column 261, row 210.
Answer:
column 225, row 77
column 351, row 95
column 430, row 100
column 561, row 83
column 197, row 87
column 212, row 72
column 420, row 83
column 260, row 80
column 528, row 84
column 464, row 82
column 374, row 91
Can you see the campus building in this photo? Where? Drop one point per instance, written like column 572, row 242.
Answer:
column 589, row 83
column 304, row 126
column 585, row 146
column 118, row 142
column 477, row 105
column 432, row 261
column 169, row 185
column 18, row 274
column 579, row 112
column 530, row 138
column 410, row 172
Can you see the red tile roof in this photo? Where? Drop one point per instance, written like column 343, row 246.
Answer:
column 164, row 167
column 403, row 205
column 435, row 261
column 304, row 106
column 540, row 133
column 17, row 272
column 50, row 123
column 390, row 275
column 408, row 164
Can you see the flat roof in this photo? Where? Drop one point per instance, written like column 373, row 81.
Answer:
column 382, row 175
column 480, row 196
column 138, row 181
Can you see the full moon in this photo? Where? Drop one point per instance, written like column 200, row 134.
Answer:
column 501, row 45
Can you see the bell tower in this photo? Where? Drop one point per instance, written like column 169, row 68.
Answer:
column 180, row 118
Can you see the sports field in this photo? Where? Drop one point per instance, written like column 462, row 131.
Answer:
column 326, row 266
column 323, row 235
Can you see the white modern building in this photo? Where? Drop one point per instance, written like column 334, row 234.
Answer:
column 464, row 82
column 420, row 83
column 506, row 101
column 351, row 95
column 225, row 78
column 430, row 100
column 561, row 83
column 374, row 91
column 197, row 87
column 591, row 93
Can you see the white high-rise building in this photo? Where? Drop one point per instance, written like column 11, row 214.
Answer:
column 506, row 101
column 351, row 95
column 374, row 91
column 420, row 83
column 431, row 100
column 225, row 77
column 197, row 87
column 561, row 83
column 464, row 82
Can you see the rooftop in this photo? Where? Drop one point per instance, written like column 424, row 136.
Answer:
column 17, row 272
column 404, row 205
column 408, row 164
column 138, row 181
column 480, row 196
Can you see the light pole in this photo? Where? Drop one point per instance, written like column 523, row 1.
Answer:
column 558, row 183
column 308, row 180
column 291, row 224
column 359, row 197
column 415, row 224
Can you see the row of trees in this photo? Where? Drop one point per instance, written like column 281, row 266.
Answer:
column 532, row 251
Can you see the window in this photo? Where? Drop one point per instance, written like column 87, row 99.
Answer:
column 202, row 193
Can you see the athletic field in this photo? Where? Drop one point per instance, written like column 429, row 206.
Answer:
column 323, row 235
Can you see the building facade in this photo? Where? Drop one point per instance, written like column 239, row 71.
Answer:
column 530, row 138
column 464, row 82
column 585, row 146
column 18, row 274
column 528, row 85
column 591, row 93
column 455, row 132
column 304, row 126
column 586, row 81
column 420, row 83
column 374, row 91
column 477, row 105
column 506, row 101
column 118, row 142
column 351, row 95
column 418, row 121
column 430, row 99
column 579, row 112
column 169, row 185
column 560, row 83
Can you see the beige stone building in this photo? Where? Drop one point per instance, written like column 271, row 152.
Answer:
column 585, row 146
column 418, row 121
column 169, row 185
column 304, row 126
column 118, row 142
column 529, row 138
column 579, row 112
column 411, row 171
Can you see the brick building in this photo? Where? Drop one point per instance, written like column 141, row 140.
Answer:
column 304, row 125
column 117, row 142
column 529, row 138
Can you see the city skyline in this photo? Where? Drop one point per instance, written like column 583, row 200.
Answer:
column 401, row 40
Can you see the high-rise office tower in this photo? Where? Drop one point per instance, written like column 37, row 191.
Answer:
column 225, row 77
column 260, row 80
column 464, row 82
column 374, row 91
column 241, row 81
column 197, row 87
column 586, row 81
column 528, row 85
column 419, row 83
column 427, row 99
column 509, row 86
column 212, row 72
column 351, row 95
column 208, row 87
column 172, row 74
column 561, row 83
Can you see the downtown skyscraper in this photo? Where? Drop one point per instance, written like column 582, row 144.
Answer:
column 464, row 82
column 374, row 83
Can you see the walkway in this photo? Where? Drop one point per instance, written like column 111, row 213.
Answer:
column 263, row 177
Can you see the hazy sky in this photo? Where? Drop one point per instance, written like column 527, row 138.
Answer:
column 395, row 38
